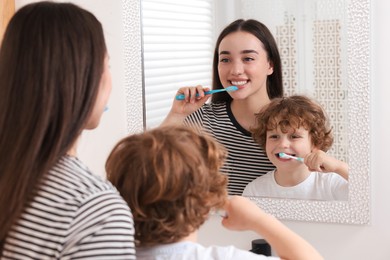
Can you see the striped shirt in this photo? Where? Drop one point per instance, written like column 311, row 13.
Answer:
column 246, row 159
column 75, row 215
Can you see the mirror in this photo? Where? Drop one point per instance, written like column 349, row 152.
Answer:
column 324, row 44
column 353, row 104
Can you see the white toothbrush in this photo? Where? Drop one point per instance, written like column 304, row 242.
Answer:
column 228, row 89
column 287, row 156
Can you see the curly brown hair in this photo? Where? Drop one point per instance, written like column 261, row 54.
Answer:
column 170, row 178
column 294, row 112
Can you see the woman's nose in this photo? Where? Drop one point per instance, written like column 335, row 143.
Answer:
column 237, row 68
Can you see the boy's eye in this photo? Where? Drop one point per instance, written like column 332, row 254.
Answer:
column 295, row 136
column 273, row 136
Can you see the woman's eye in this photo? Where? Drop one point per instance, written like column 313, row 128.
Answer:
column 248, row 59
column 224, row 60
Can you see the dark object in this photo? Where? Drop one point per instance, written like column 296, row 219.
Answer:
column 261, row 247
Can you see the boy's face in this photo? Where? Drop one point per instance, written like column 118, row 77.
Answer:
column 296, row 142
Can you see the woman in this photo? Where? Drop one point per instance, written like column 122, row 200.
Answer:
column 55, row 82
column 246, row 56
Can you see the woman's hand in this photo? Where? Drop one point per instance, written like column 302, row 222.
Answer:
column 182, row 108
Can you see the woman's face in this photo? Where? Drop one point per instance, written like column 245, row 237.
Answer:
column 244, row 63
column 102, row 97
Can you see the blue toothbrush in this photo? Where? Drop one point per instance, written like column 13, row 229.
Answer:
column 287, row 156
column 228, row 89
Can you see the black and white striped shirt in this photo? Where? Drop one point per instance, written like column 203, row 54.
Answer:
column 75, row 215
column 246, row 159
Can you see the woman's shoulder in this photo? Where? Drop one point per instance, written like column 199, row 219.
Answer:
column 209, row 111
column 82, row 211
column 215, row 106
column 212, row 107
column 72, row 180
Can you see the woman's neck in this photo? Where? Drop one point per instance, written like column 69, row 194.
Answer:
column 245, row 110
column 73, row 149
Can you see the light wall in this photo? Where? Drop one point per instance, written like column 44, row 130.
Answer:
column 334, row 241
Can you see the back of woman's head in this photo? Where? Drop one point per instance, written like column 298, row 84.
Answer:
column 51, row 62
column 170, row 178
column 260, row 31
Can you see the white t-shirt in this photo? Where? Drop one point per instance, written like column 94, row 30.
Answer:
column 187, row 250
column 318, row 186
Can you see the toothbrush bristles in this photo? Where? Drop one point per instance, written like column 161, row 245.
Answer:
column 284, row 155
column 232, row 88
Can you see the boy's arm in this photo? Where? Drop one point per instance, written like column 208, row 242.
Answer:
column 322, row 162
column 243, row 214
column 343, row 170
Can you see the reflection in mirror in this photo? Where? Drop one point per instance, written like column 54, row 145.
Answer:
column 290, row 127
column 311, row 38
column 178, row 43
column 312, row 41
column 324, row 44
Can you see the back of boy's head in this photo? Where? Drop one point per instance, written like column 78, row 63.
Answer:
column 170, row 178
column 292, row 113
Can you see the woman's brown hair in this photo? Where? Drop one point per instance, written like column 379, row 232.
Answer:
column 170, row 178
column 51, row 63
column 294, row 112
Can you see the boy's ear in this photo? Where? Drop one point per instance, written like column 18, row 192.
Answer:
column 314, row 149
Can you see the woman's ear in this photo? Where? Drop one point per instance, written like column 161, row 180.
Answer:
column 271, row 68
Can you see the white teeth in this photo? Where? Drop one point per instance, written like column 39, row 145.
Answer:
column 238, row 83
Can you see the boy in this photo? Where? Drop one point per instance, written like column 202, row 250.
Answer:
column 297, row 126
column 170, row 177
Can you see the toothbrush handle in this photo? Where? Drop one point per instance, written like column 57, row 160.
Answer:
column 182, row 96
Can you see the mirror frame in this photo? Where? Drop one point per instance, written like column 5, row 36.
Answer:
column 354, row 211
column 133, row 66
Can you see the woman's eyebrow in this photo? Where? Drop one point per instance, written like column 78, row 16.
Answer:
column 249, row 51
column 242, row 52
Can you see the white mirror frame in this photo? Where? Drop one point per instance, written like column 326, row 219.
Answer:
column 133, row 66
column 354, row 211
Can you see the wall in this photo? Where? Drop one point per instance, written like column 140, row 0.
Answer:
column 333, row 241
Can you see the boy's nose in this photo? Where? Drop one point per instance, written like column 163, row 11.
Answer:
column 284, row 142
